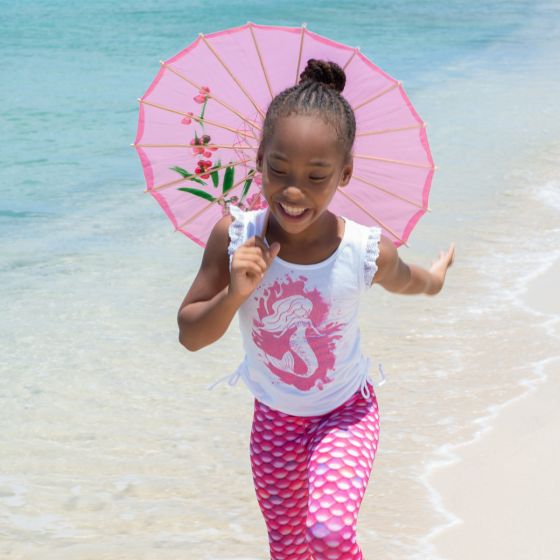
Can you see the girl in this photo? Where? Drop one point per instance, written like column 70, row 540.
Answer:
column 295, row 273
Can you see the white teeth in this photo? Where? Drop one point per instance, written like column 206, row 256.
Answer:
column 293, row 210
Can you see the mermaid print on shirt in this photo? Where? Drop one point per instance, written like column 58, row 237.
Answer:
column 293, row 334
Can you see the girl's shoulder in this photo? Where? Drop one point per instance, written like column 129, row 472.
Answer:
column 366, row 242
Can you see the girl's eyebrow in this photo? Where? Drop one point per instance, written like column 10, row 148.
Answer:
column 314, row 162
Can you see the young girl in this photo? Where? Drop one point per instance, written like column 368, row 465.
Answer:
column 295, row 272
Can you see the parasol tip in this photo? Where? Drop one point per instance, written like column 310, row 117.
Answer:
column 424, row 124
column 304, row 25
column 138, row 99
column 436, row 167
column 133, row 145
column 162, row 62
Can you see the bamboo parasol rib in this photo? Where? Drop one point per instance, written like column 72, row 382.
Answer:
column 197, row 175
column 260, row 59
column 395, row 161
column 377, row 96
column 357, row 204
column 229, row 146
column 198, row 119
column 351, row 58
column 211, row 95
column 303, row 28
column 228, row 70
column 379, row 187
column 388, row 130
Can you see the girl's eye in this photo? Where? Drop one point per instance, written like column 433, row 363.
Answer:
column 317, row 178
column 276, row 171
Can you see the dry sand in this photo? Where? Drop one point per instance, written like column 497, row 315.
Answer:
column 505, row 490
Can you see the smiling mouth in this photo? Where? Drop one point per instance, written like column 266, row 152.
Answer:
column 293, row 211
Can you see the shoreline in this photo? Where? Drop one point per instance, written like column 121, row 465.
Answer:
column 498, row 489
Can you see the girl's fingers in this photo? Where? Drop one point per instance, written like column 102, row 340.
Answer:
column 249, row 268
column 254, row 258
column 249, row 263
column 256, row 244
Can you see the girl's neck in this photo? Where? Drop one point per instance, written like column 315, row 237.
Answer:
column 315, row 244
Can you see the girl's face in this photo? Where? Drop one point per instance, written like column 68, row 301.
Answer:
column 302, row 165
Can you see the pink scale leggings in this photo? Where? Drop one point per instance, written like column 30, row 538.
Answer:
column 310, row 476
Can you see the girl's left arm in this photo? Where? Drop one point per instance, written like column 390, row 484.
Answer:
column 401, row 278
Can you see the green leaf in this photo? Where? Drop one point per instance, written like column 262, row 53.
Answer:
column 215, row 178
column 214, row 174
column 228, row 179
column 198, row 192
column 188, row 175
column 203, row 109
column 247, row 184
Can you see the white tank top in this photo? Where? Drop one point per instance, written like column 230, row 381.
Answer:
column 300, row 326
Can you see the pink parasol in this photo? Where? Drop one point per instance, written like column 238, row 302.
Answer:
column 200, row 122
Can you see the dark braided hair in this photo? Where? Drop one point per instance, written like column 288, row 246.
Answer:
column 317, row 93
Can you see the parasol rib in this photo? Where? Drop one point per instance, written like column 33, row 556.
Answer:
column 217, row 201
column 379, row 187
column 198, row 119
column 231, row 146
column 226, row 67
column 388, row 130
column 261, row 60
column 351, row 58
column 395, row 161
column 197, row 175
column 377, row 96
column 356, row 203
column 303, row 28
column 212, row 96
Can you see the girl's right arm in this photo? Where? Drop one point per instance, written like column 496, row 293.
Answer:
column 215, row 295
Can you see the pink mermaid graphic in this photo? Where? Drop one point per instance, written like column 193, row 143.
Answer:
column 293, row 333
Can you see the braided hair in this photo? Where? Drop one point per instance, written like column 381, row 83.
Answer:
column 317, row 93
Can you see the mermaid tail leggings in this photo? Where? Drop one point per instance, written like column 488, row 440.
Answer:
column 310, row 476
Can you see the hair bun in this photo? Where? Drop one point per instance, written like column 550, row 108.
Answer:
column 324, row 72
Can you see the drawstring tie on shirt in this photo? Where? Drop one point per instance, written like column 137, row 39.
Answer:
column 364, row 389
column 233, row 378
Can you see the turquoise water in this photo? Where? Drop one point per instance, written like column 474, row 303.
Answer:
column 72, row 72
column 104, row 450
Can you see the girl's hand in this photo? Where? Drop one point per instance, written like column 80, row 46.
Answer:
column 249, row 264
column 439, row 268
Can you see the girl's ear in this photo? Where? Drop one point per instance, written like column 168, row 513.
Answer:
column 346, row 174
column 259, row 160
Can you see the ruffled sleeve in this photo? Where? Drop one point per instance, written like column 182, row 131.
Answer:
column 236, row 230
column 371, row 254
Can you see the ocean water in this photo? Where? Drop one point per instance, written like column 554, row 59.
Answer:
column 110, row 445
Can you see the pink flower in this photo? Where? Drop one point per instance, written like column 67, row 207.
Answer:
column 257, row 177
column 202, row 94
column 187, row 120
column 256, row 201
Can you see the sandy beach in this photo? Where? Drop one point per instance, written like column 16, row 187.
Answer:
column 504, row 490
column 111, row 445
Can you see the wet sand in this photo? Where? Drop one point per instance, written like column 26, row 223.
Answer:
column 504, row 489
